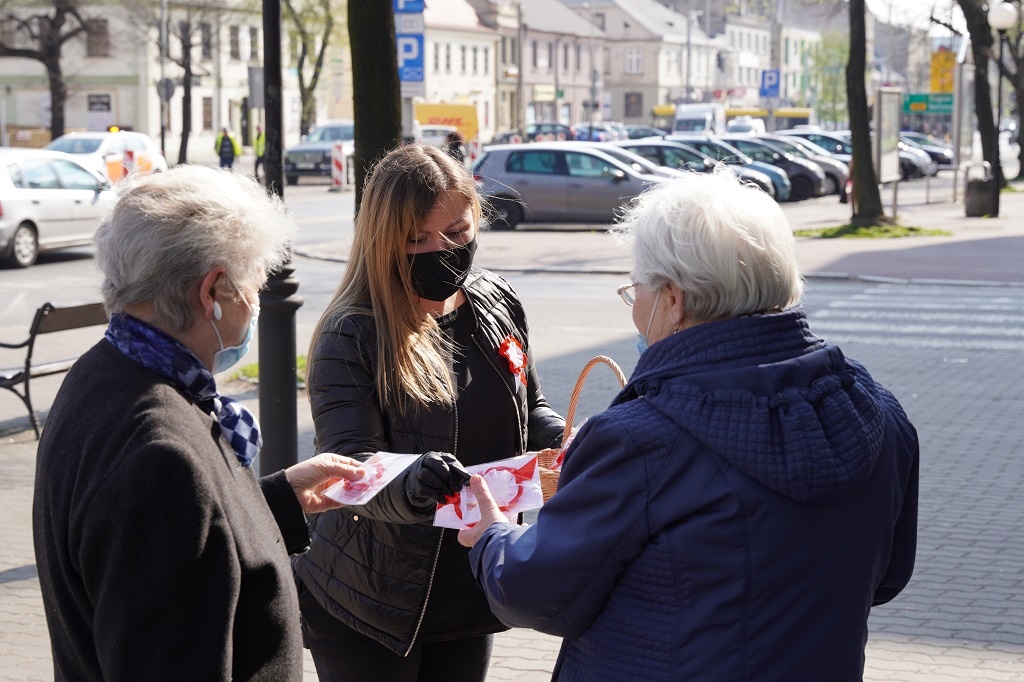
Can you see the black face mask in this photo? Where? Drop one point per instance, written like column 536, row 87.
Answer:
column 437, row 275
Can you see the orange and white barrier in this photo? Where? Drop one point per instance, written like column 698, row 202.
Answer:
column 337, row 168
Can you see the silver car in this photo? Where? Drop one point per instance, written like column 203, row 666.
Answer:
column 47, row 201
column 556, row 182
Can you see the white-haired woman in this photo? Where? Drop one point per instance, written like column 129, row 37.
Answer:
column 159, row 553
column 746, row 499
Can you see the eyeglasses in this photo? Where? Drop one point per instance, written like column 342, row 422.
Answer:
column 627, row 292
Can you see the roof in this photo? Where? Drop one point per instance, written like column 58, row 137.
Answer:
column 651, row 15
column 553, row 16
column 452, row 14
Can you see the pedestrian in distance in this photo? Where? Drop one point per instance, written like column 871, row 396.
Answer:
column 455, row 146
column 160, row 555
column 748, row 496
column 227, row 147
column 418, row 352
column 260, row 149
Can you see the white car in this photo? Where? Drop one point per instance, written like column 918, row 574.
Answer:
column 48, row 200
column 113, row 155
column 435, row 135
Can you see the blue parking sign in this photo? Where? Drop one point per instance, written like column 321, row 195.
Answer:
column 403, row 6
column 410, row 56
column 770, row 83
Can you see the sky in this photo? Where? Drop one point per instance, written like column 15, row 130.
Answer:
column 916, row 12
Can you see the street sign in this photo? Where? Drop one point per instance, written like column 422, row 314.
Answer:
column 927, row 103
column 165, row 88
column 410, row 57
column 407, row 6
column 770, row 83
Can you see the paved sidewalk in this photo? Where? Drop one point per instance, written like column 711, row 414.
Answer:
column 943, row 632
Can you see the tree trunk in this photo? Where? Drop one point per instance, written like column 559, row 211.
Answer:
column 186, row 90
column 378, row 112
column 980, row 33
column 868, row 200
column 1018, row 91
column 50, row 47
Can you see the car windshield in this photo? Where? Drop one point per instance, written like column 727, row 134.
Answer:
column 332, row 133
column 789, row 148
column 75, row 145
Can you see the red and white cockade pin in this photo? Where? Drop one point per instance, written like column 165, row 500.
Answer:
column 513, row 352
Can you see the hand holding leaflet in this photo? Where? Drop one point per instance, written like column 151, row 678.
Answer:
column 380, row 470
column 514, row 484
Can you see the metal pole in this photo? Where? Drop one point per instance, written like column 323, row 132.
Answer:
column 163, row 60
column 520, row 104
column 997, row 164
column 689, row 50
column 593, row 71
column 278, row 302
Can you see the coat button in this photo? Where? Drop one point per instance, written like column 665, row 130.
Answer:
column 355, row 517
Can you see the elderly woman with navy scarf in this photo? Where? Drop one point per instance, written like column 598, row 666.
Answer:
column 159, row 553
column 746, row 499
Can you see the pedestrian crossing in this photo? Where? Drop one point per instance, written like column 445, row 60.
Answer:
column 936, row 317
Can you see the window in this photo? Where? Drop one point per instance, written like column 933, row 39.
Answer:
column 579, row 62
column 514, row 49
column 7, row 36
column 447, row 58
column 504, row 50
column 545, row 163
column 38, row 174
column 73, row 176
column 785, row 52
column 634, row 104
column 552, row 57
column 565, row 57
column 534, row 62
column 236, row 50
column 487, row 60
column 437, row 58
column 634, row 61
column 585, row 165
column 254, row 44
column 97, row 38
column 206, row 39
column 475, row 62
column 599, row 20
column 463, row 60
column 207, row 113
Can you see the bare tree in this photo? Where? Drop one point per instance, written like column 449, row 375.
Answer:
column 313, row 25
column 40, row 35
column 868, row 203
column 378, row 114
column 976, row 16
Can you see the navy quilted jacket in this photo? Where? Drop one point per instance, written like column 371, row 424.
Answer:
column 734, row 515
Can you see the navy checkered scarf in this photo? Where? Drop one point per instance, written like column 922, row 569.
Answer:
column 157, row 351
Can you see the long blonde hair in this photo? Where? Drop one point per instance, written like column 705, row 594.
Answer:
column 403, row 188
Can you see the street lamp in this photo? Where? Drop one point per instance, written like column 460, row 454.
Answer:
column 1000, row 17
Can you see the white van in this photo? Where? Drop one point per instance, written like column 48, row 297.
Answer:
column 699, row 118
column 746, row 124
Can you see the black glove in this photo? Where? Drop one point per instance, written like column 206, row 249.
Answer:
column 432, row 477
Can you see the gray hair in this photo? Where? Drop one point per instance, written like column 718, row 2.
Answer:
column 727, row 245
column 168, row 230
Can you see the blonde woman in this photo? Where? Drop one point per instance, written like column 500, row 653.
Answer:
column 418, row 352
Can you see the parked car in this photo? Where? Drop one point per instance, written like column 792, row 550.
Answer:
column 637, row 131
column 941, row 154
column 836, row 172
column 112, row 154
column 726, row 153
column 746, row 124
column 435, row 135
column 48, row 200
column 557, row 182
column 682, row 157
column 808, row 179
column 601, row 132
column 836, row 145
column 627, row 156
column 915, row 162
column 312, row 156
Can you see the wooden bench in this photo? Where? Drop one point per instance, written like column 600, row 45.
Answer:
column 48, row 319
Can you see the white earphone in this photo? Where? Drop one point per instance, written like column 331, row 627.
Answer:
column 217, row 311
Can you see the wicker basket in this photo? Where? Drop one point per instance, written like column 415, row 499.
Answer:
column 546, row 458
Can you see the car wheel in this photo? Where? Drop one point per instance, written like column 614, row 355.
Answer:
column 802, row 189
column 24, row 247
column 505, row 214
column 292, row 179
column 831, row 185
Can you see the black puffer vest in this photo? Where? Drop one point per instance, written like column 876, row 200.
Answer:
column 372, row 566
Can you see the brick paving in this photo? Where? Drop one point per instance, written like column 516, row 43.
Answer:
column 961, row 618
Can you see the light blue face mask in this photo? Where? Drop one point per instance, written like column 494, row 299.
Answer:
column 641, row 340
column 226, row 358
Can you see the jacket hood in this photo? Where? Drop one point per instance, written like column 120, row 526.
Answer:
column 766, row 395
